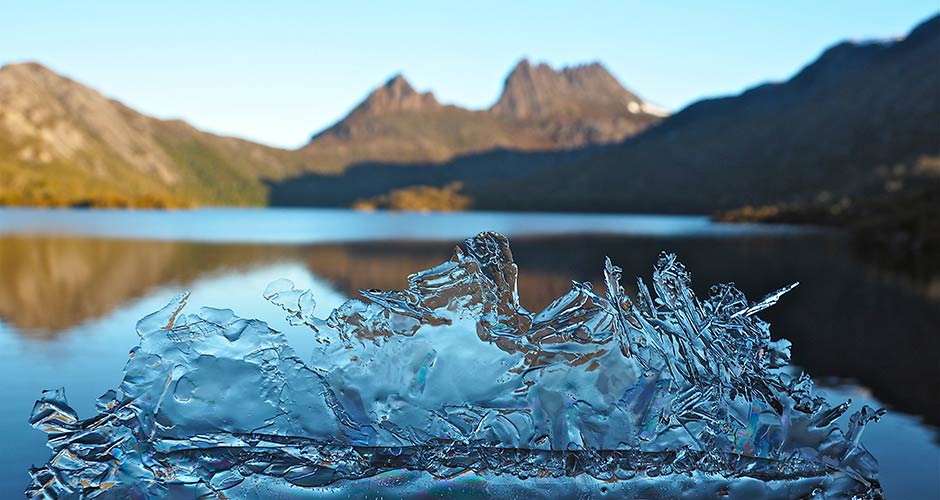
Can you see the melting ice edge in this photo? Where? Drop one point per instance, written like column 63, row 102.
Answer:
column 451, row 386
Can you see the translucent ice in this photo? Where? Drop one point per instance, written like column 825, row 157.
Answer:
column 452, row 388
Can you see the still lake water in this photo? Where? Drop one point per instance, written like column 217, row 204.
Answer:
column 73, row 283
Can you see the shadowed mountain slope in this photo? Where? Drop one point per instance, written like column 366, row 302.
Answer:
column 858, row 120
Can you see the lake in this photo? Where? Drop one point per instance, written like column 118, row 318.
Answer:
column 73, row 283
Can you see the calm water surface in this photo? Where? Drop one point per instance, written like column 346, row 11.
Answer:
column 73, row 283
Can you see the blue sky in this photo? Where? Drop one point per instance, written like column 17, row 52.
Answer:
column 278, row 71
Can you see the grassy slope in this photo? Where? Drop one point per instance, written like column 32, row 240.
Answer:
column 59, row 183
column 213, row 170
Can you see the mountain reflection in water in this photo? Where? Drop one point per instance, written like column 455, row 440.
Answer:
column 847, row 320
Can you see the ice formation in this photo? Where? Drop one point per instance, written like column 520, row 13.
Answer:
column 452, row 388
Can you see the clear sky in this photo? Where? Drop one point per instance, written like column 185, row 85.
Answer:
column 278, row 71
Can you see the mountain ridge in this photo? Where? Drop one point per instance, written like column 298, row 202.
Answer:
column 840, row 127
column 538, row 90
column 398, row 124
column 861, row 120
column 64, row 143
column 555, row 139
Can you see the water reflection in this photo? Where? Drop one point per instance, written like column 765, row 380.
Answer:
column 51, row 284
column 68, row 305
column 847, row 320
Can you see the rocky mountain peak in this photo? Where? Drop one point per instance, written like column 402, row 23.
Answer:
column 540, row 91
column 399, row 84
column 540, row 108
column 397, row 95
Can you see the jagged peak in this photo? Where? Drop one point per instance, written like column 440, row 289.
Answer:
column 522, row 66
column 538, row 90
column 526, row 67
column 396, row 94
column 589, row 68
column 398, row 82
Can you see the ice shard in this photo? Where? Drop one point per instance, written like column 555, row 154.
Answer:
column 451, row 388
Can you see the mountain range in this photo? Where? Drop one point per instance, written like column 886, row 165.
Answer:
column 864, row 118
column 63, row 143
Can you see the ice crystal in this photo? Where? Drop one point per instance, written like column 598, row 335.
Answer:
column 452, row 387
